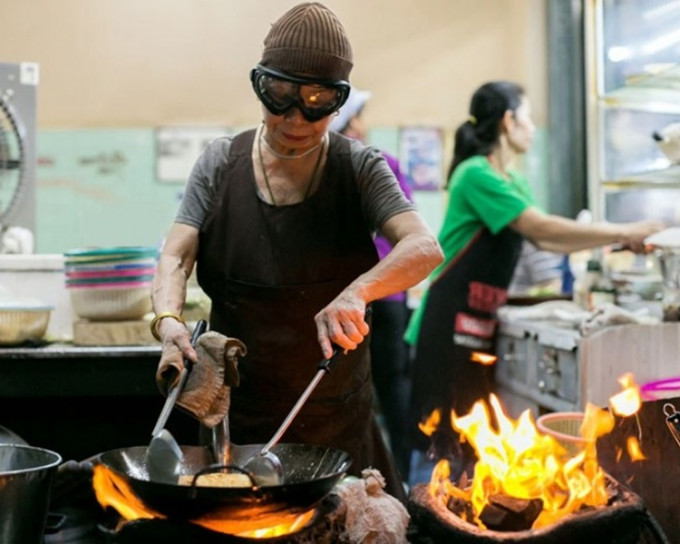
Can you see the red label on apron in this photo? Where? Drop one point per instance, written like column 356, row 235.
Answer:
column 486, row 298
column 474, row 326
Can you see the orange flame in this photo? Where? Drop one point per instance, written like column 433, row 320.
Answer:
column 627, row 402
column 516, row 460
column 484, row 359
column 112, row 490
column 430, row 425
column 634, row 449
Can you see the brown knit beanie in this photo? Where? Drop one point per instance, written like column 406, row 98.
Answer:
column 309, row 40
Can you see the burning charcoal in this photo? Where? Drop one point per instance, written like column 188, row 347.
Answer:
column 510, row 514
column 463, row 509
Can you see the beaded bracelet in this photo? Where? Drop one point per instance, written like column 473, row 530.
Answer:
column 160, row 316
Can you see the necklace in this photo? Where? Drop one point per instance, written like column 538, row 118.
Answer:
column 288, row 157
column 266, row 177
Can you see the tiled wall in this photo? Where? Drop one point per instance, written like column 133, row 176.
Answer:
column 99, row 187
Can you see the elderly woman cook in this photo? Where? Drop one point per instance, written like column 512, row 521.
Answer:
column 279, row 221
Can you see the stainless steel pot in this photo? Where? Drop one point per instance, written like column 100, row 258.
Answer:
column 26, row 475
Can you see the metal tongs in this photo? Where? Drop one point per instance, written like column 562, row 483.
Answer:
column 164, row 456
column 672, row 420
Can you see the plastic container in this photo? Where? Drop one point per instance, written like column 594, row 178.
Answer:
column 105, row 302
column 564, row 427
column 40, row 277
column 19, row 324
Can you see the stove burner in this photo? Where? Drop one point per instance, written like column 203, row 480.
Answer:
column 71, row 525
column 326, row 528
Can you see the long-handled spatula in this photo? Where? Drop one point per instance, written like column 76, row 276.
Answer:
column 265, row 466
column 164, row 456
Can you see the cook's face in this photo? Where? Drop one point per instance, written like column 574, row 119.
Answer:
column 292, row 131
column 521, row 129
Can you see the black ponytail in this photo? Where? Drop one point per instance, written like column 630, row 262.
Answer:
column 479, row 134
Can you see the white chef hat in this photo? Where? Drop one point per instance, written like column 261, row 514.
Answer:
column 355, row 102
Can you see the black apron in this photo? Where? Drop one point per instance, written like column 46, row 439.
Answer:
column 268, row 270
column 459, row 319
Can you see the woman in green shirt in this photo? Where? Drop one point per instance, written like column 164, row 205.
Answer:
column 490, row 211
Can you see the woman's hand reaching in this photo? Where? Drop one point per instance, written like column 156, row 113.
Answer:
column 633, row 234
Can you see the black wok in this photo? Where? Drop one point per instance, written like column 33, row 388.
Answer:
column 310, row 473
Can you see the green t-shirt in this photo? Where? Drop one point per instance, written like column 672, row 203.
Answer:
column 479, row 197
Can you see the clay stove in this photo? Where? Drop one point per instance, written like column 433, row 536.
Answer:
column 623, row 520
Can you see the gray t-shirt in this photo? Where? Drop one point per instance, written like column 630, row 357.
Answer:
column 381, row 196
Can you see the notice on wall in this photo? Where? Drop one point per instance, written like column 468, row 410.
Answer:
column 421, row 157
column 178, row 148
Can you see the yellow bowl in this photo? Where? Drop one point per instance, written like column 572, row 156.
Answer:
column 18, row 325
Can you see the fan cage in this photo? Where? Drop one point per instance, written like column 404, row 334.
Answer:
column 12, row 162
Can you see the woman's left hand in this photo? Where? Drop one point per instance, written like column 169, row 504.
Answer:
column 342, row 323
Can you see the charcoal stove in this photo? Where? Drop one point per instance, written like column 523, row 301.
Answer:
column 624, row 520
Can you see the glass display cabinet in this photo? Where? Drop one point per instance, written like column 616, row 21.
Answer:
column 632, row 55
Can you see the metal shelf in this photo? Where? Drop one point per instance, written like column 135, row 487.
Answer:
column 651, row 99
column 668, row 177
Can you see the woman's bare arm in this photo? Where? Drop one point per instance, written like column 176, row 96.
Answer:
column 414, row 255
column 562, row 235
column 168, row 294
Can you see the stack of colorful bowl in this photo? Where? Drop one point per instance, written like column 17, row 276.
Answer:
column 112, row 283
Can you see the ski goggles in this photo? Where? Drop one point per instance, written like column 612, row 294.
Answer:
column 281, row 92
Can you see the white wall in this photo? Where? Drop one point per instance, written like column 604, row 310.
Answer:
column 127, row 63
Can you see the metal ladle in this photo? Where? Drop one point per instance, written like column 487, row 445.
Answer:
column 265, row 466
column 164, row 456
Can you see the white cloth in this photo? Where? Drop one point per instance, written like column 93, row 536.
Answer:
column 16, row 240
column 608, row 315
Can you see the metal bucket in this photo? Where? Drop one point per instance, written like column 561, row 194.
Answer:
column 26, row 475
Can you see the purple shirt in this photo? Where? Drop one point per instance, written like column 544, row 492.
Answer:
column 381, row 243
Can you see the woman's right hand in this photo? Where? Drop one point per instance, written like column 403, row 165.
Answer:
column 176, row 346
column 634, row 234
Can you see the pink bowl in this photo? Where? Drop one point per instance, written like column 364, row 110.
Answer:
column 111, row 273
column 118, row 285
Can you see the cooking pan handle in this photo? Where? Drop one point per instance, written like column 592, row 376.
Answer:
column 174, row 393
column 199, row 329
column 220, row 468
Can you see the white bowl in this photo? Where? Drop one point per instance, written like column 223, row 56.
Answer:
column 111, row 303
column 565, row 428
column 18, row 325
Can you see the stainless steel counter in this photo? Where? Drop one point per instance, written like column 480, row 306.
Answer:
column 539, row 360
column 69, row 350
column 67, row 370
column 550, row 364
column 80, row 401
